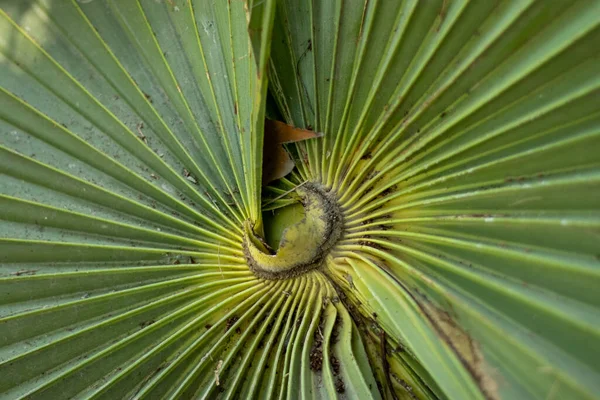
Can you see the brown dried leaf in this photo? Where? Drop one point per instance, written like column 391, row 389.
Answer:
column 277, row 162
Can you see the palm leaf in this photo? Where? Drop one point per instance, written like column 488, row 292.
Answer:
column 459, row 159
column 462, row 141
column 130, row 143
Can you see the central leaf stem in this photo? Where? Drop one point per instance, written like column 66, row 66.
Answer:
column 303, row 246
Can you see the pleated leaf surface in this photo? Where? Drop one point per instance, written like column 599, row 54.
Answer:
column 463, row 141
column 460, row 139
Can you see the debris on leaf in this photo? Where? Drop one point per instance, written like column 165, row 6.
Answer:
column 189, row 176
column 25, row 272
column 230, row 322
column 339, row 385
column 141, row 135
column 217, row 371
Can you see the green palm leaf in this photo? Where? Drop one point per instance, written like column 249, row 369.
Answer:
column 439, row 241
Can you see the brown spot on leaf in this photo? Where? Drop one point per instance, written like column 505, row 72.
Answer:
column 464, row 346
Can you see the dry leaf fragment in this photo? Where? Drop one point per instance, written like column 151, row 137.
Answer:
column 217, row 371
column 277, row 162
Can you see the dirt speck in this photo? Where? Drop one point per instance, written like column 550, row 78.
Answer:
column 26, row 272
column 339, row 385
column 316, row 353
column 230, row 322
column 316, row 358
column 146, row 323
column 335, row 365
